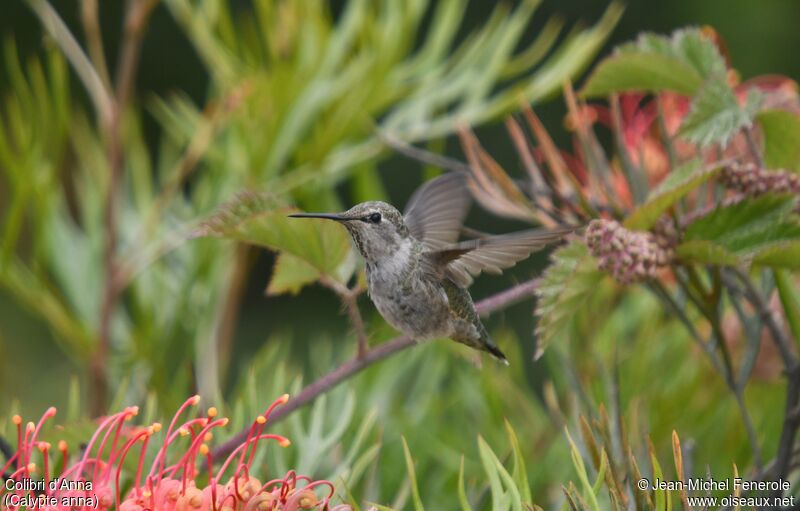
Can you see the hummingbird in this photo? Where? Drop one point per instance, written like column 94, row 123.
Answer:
column 417, row 270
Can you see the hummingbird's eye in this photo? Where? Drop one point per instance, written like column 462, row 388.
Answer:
column 375, row 218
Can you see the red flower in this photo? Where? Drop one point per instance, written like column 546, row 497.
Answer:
column 93, row 481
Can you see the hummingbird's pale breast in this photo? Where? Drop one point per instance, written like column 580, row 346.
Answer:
column 406, row 297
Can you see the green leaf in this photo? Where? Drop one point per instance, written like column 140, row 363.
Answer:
column 322, row 244
column 715, row 114
column 781, row 134
column 290, row 274
column 677, row 184
column 412, row 476
column 663, row 498
column 790, row 299
column 781, row 255
column 499, row 479
column 699, row 50
column 462, row 493
column 681, row 63
column 519, row 472
column 580, row 468
column 749, row 226
column 495, row 485
column 689, row 63
column 705, row 252
column 568, row 286
column 641, row 71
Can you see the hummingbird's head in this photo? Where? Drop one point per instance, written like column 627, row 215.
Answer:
column 377, row 228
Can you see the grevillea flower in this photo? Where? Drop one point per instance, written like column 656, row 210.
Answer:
column 36, row 477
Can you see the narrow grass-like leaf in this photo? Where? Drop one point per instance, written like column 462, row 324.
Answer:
column 677, row 456
column 462, row 493
column 663, row 498
column 519, row 471
column 601, row 473
column 499, row 499
column 510, row 494
column 583, row 477
column 412, row 476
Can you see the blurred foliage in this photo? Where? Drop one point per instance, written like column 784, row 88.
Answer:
column 301, row 101
column 297, row 102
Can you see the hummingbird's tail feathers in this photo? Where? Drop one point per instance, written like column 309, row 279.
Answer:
column 487, row 344
column 496, row 353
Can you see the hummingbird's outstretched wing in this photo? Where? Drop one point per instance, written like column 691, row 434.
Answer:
column 463, row 261
column 436, row 211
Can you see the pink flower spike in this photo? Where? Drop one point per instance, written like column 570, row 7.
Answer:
column 280, row 401
column 17, row 420
column 26, row 446
column 119, row 422
column 50, row 412
column 125, row 450
column 267, row 436
column 323, row 482
column 255, row 430
column 192, row 401
column 195, row 445
column 130, row 411
column 186, row 429
column 44, row 447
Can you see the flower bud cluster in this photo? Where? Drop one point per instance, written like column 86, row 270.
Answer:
column 753, row 181
column 631, row 256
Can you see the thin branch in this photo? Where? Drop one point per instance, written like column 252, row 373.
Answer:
column 779, row 336
column 421, row 155
column 137, row 13
column 661, row 292
column 779, row 469
column 136, row 18
column 752, row 145
column 725, row 368
column 231, row 304
column 486, row 306
column 349, row 298
column 101, row 96
column 94, row 38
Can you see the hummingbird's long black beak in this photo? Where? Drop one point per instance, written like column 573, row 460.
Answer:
column 329, row 216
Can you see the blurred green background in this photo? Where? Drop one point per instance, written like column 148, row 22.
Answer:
column 760, row 37
column 424, row 392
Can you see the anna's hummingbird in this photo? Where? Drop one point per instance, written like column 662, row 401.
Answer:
column 417, row 271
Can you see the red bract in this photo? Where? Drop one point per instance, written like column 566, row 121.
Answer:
column 93, row 480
